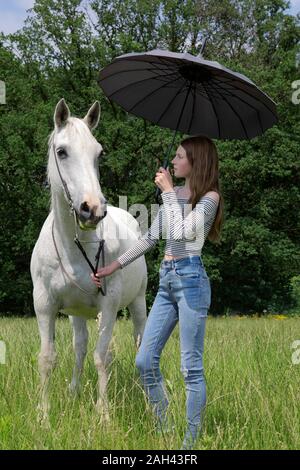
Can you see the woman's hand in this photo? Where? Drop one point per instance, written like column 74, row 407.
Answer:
column 163, row 179
column 103, row 272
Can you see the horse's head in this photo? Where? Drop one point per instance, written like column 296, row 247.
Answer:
column 77, row 156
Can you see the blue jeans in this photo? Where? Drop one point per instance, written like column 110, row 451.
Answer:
column 184, row 294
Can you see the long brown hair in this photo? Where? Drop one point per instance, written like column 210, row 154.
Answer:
column 203, row 156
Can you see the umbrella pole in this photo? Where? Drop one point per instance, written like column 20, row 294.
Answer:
column 165, row 164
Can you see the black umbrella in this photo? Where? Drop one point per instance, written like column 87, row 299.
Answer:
column 189, row 94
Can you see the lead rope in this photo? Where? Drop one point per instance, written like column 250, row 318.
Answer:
column 63, row 269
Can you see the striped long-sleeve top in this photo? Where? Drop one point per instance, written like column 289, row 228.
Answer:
column 185, row 230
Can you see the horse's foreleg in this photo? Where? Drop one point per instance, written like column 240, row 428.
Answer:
column 47, row 358
column 106, row 323
column 80, row 340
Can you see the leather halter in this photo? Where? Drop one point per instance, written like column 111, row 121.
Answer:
column 76, row 239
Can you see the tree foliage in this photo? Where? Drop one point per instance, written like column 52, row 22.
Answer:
column 59, row 52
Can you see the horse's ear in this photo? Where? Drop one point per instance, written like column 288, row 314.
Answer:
column 61, row 114
column 93, row 115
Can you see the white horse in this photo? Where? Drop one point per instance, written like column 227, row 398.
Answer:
column 60, row 273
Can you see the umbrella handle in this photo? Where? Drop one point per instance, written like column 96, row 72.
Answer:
column 158, row 190
column 157, row 195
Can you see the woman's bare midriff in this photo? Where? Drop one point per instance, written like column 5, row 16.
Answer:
column 168, row 257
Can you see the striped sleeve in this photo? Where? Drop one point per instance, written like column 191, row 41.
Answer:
column 146, row 242
column 191, row 226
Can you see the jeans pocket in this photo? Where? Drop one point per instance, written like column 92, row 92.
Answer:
column 188, row 271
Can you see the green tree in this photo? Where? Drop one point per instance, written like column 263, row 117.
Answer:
column 59, row 52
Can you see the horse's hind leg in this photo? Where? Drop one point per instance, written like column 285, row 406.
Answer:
column 138, row 312
column 47, row 356
column 80, row 340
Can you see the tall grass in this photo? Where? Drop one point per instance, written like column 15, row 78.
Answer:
column 252, row 389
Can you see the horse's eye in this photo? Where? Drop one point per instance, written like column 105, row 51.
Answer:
column 61, row 153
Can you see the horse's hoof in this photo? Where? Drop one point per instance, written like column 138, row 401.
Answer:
column 43, row 418
column 74, row 389
column 102, row 411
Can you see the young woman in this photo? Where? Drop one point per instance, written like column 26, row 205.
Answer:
column 184, row 292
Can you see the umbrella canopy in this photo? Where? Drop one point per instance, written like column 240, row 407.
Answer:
column 182, row 92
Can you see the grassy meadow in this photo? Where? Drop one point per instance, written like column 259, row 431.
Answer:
column 253, row 389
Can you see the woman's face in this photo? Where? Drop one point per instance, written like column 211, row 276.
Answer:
column 182, row 166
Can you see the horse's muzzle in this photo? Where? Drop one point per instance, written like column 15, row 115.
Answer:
column 87, row 214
